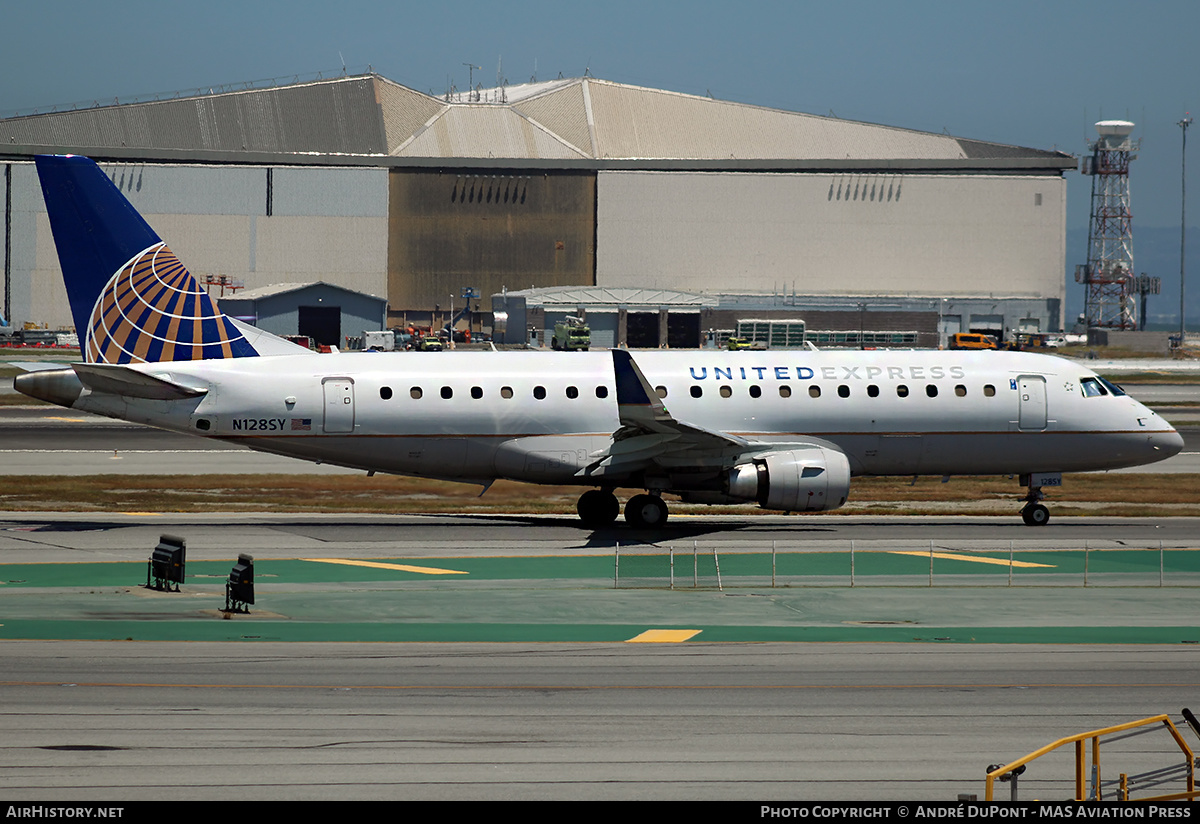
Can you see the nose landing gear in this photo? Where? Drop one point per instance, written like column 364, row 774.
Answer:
column 1035, row 513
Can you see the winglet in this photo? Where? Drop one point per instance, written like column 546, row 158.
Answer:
column 633, row 390
column 131, row 298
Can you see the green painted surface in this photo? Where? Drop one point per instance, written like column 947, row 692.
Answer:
column 248, row 631
column 795, row 566
column 573, row 599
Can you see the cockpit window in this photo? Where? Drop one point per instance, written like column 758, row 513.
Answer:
column 1111, row 387
column 1091, row 387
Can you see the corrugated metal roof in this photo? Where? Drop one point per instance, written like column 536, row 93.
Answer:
column 562, row 111
column 405, row 112
column 648, row 123
column 333, row 116
column 484, row 130
column 284, row 288
column 573, row 120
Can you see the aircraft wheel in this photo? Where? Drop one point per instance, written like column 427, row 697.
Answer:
column 645, row 512
column 597, row 508
column 1035, row 515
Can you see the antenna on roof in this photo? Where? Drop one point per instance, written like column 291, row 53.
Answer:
column 343, row 63
column 471, row 76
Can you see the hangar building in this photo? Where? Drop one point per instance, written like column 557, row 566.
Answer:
column 362, row 183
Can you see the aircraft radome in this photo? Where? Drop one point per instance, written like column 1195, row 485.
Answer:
column 785, row 429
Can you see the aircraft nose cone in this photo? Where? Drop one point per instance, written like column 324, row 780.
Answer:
column 1167, row 444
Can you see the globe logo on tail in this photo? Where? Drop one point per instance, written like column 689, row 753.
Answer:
column 152, row 309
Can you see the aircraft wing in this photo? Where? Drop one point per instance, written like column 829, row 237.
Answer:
column 650, row 435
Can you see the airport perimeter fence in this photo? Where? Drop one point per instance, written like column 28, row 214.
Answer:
column 772, row 564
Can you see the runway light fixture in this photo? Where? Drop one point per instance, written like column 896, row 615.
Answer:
column 239, row 590
column 166, row 564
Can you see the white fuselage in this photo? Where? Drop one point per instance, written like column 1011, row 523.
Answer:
column 542, row 416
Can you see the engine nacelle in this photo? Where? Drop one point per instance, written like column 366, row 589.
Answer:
column 798, row 480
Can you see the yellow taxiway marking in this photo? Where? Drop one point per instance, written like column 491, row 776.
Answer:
column 663, row 636
column 378, row 565
column 952, row 556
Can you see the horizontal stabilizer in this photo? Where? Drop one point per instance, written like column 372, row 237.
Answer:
column 36, row 366
column 130, row 383
column 265, row 343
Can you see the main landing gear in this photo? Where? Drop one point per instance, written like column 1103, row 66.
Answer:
column 1034, row 513
column 645, row 512
column 598, row 508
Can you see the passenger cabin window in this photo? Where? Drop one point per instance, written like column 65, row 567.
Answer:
column 506, row 392
column 726, row 392
column 415, row 393
column 661, row 391
column 601, row 391
column 756, row 391
column 873, row 391
column 785, row 391
column 843, row 391
column 814, row 391
column 539, row 392
column 385, row 392
column 697, row 391
column 989, row 391
column 960, row 390
column 476, row 392
column 447, row 392
column 931, row 390
column 572, row 392
column 901, row 391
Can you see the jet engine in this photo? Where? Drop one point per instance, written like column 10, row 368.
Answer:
column 798, row 480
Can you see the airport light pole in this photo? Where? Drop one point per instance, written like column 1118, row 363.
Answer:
column 1183, row 124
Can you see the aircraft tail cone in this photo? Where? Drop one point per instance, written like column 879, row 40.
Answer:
column 58, row 386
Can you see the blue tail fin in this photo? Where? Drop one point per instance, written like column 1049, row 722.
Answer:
column 131, row 298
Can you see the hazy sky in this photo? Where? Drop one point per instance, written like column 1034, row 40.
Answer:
column 1033, row 73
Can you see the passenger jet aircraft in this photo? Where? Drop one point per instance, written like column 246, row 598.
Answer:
column 784, row 429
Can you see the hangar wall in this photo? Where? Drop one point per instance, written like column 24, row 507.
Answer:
column 453, row 229
column 257, row 224
column 830, row 234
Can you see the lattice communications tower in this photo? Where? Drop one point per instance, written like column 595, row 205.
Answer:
column 1109, row 302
